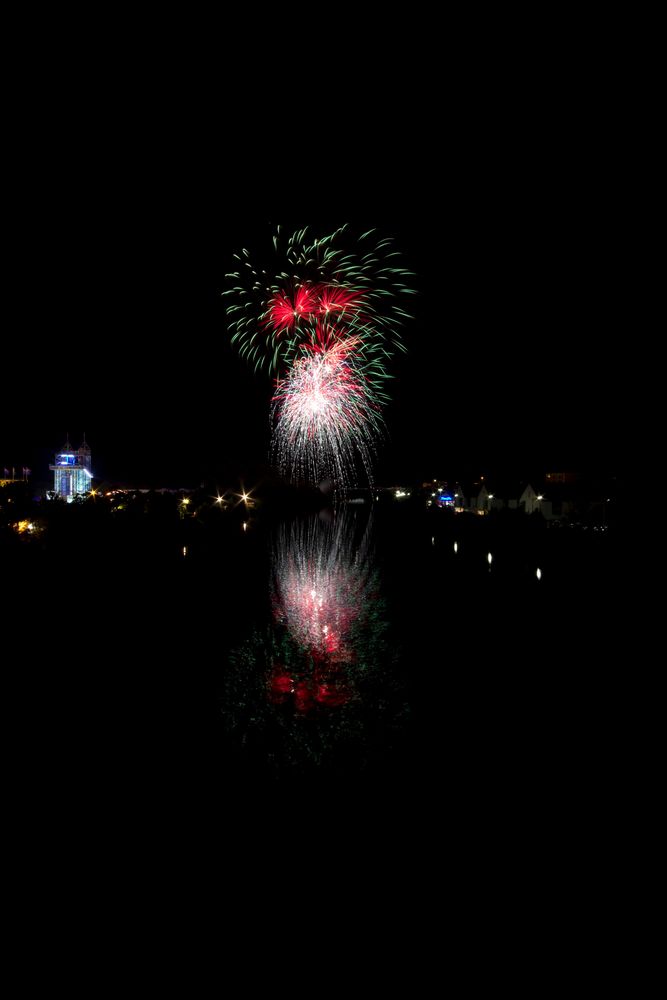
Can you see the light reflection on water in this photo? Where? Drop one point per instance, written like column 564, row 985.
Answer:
column 311, row 688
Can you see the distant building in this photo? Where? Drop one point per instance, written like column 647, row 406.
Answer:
column 71, row 471
column 460, row 502
column 529, row 500
column 554, row 497
column 444, row 498
column 480, row 498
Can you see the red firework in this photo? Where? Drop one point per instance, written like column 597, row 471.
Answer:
column 333, row 299
column 285, row 311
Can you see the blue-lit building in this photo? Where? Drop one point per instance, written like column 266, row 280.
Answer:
column 71, row 471
column 444, row 498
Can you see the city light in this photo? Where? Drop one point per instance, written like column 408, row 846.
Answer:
column 245, row 497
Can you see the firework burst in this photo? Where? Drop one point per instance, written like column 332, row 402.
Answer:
column 326, row 412
column 274, row 305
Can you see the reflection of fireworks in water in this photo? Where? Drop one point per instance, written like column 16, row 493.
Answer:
column 320, row 595
column 321, row 586
column 355, row 280
column 324, row 411
column 319, row 687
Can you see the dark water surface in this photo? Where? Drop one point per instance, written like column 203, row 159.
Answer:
column 344, row 654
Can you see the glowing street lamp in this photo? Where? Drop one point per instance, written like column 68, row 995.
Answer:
column 245, row 498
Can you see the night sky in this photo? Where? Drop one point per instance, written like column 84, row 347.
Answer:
column 114, row 322
column 505, row 157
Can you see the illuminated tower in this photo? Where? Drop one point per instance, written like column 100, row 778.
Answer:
column 71, row 471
